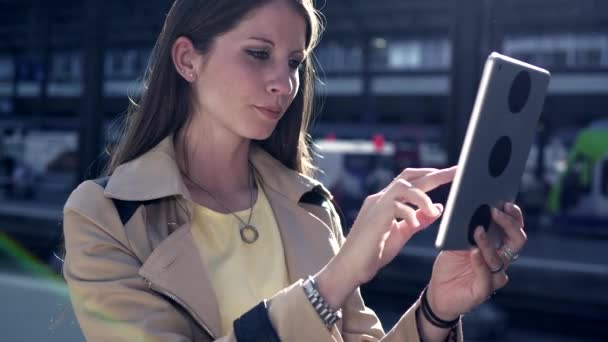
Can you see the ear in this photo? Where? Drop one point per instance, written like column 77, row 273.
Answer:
column 185, row 58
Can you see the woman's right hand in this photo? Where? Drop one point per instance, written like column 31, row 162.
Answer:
column 385, row 223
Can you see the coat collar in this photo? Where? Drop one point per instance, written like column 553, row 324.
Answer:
column 176, row 269
column 307, row 240
column 156, row 175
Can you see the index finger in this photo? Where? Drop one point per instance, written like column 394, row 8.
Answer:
column 410, row 174
column 435, row 179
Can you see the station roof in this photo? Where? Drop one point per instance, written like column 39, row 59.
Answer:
column 29, row 24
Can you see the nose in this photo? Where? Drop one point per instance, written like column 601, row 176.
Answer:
column 281, row 83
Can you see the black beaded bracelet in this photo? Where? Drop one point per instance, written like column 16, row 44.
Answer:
column 432, row 317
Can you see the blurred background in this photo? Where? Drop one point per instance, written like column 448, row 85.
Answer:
column 398, row 82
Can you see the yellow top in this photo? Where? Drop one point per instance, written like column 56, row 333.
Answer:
column 242, row 274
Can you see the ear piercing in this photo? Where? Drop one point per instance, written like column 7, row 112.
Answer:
column 189, row 76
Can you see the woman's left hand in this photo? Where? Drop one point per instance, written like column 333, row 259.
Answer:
column 461, row 280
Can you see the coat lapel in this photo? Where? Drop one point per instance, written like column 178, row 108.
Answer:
column 306, row 239
column 175, row 268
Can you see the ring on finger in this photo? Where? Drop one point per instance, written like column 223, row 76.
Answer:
column 499, row 268
column 509, row 253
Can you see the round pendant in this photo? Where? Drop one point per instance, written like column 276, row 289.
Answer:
column 249, row 234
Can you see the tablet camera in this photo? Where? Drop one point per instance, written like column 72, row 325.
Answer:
column 481, row 217
column 519, row 92
column 500, row 156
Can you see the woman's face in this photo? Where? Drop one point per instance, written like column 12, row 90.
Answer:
column 249, row 77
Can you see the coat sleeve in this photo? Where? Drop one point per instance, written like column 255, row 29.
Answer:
column 111, row 301
column 360, row 323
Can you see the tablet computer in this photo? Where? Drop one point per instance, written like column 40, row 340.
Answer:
column 500, row 133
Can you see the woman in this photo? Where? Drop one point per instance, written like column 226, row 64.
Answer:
column 210, row 227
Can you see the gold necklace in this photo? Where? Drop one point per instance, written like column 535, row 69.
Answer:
column 249, row 233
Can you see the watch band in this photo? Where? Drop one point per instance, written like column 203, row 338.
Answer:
column 328, row 316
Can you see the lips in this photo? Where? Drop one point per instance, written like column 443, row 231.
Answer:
column 270, row 112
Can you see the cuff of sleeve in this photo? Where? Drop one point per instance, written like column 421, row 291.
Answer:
column 406, row 328
column 455, row 334
column 294, row 318
column 255, row 325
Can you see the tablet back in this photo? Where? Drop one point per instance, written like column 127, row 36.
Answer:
column 501, row 130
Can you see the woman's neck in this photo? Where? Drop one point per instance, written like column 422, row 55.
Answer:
column 215, row 162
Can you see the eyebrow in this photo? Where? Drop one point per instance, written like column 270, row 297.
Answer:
column 266, row 40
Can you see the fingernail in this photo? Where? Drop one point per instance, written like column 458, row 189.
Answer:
column 439, row 207
column 509, row 206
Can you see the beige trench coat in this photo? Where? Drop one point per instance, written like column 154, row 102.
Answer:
column 144, row 280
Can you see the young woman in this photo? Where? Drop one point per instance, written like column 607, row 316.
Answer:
column 210, row 227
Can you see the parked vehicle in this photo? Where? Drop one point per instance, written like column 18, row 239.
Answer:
column 580, row 198
column 353, row 168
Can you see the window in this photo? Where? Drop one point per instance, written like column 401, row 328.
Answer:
column 7, row 68
column 30, row 68
column 588, row 57
column 340, row 56
column 113, row 64
column 412, row 54
column 65, row 66
column 572, row 51
column 126, row 63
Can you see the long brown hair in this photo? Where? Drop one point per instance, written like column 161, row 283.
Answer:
column 164, row 106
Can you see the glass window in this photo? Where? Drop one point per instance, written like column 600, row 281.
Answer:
column 131, row 58
column 411, row 54
column 30, row 67
column 112, row 64
column 340, row 56
column 65, row 66
column 588, row 57
column 126, row 63
column 7, row 68
column 572, row 51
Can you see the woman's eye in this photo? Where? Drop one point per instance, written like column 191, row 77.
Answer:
column 295, row 63
column 258, row 54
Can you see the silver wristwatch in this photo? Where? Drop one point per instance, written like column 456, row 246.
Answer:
column 328, row 316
